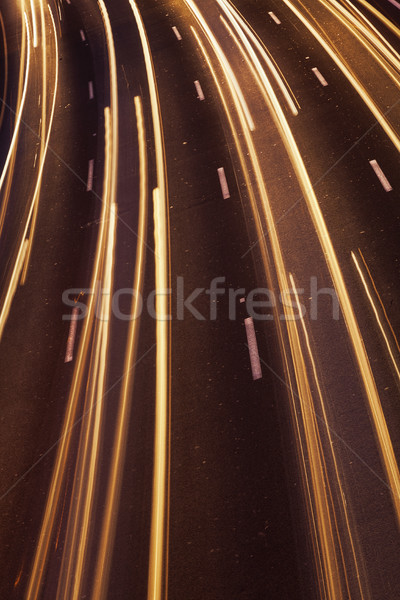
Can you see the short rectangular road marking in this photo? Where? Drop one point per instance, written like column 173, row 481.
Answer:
column 69, row 354
column 199, row 91
column 253, row 349
column 89, row 185
column 381, row 176
column 320, row 77
column 223, row 183
column 176, row 32
column 274, row 18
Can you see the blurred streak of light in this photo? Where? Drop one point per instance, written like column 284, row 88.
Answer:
column 5, row 49
column 358, row 14
column 359, row 350
column 23, row 247
column 103, row 259
column 354, row 81
column 22, row 88
column 323, row 536
column 18, row 578
column 368, row 38
column 375, row 310
column 242, row 28
column 325, row 420
column 358, row 17
column 19, row 109
column 383, row 437
column 223, row 60
column 393, row 28
column 159, row 523
column 70, row 420
column 78, row 529
column 321, row 507
column 114, row 96
column 34, row 24
column 43, row 140
column 100, row 585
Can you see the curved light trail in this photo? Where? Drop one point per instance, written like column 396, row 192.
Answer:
column 161, row 237
column 96, row 334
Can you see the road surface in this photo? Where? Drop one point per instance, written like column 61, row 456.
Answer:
column 199, row 367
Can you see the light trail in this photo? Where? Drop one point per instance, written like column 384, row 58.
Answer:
column 161, row 435
column 383, row 437
column 243, row 29
column 78, row 529
column 324, row 541
column 330, row 575
column 324, row 416
column 34, row 24
column 369, row 37
column 369, row 31
column 391, row 26
column 100, row 586
column 351, row 77
column 376, row 312
column 44, row 138
column 5, row 57
column 22, row 88
column 74, row 555
column 78, row 381
column 224, row 61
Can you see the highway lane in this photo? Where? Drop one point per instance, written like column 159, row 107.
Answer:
column 34, row 377
column 337, row 390
column 73, row 548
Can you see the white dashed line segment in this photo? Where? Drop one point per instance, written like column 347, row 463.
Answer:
column 320, row 77
column 83, row 37
column 199, row 91
column 89, row 184
column 176, row 32
column 274, row 18
column 223, row 183
column 91, row 90
column 69, row 353
column 381, row 176
column 253, row 349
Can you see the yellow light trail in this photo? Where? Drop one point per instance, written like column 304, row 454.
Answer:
column 100, row 586
column 385, row 444
column 23, row 247
column 243, row 29
column 369, row 38
column 361, row 17
column 325, row 420
column 78, row 529
column 354, row 81
column 34, row 24
column 383, row 437
column 393, row 28
column 5, row 53
column 102, row 271
column 376, row 313
column 161, row 239
column 22, row 88
column 43, row 137
column 323, row 525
